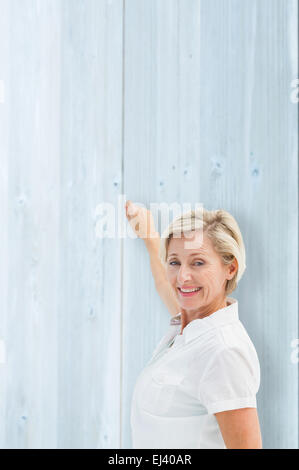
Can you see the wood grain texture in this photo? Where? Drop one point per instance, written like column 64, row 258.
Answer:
column 31, row 224
column 161, row 149
column 89, row 323
column 169, row 101
column 63, row 158
column 4, row 152
column 250, row 169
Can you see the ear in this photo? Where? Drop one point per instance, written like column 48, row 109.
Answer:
column 232, row 268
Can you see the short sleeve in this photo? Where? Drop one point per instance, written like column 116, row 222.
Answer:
column 231, row 380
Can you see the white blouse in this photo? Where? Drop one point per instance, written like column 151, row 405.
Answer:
column 212, row 366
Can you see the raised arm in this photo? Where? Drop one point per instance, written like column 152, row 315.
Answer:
column 161, row 282
column 142, row 222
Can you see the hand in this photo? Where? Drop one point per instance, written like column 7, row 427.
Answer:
column 141, row 221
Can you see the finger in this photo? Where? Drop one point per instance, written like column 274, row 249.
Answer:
column 127, row 205
column 132, row 209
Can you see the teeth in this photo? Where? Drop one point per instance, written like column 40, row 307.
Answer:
column 190, row 290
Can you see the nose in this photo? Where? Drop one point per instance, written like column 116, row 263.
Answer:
column 184, row 275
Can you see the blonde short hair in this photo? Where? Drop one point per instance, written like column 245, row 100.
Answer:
column 223, row 231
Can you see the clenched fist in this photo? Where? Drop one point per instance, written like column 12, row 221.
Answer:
column 141, row 221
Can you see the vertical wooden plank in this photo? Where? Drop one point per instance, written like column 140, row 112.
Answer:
column 4, row 153
column 223, row 146
column 161, row 149
column 62, row 321
column 90, row 277
column 32, row 101
column 249, row 167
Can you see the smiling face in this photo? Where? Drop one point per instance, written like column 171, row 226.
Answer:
column 198, row 267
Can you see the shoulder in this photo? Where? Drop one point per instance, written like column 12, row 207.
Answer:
column 235, row 338
column 228, row 348
column 231, row 378
column 235, row 356
column 224, row 338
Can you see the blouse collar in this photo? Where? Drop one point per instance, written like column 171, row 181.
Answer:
column 196, row 327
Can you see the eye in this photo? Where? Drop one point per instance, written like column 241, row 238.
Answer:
column 171, row 263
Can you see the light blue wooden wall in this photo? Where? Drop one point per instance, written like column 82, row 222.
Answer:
column 163, row 101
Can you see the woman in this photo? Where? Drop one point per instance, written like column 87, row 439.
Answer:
column 199, row 388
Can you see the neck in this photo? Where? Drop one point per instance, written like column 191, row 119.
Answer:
column 192, row 314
